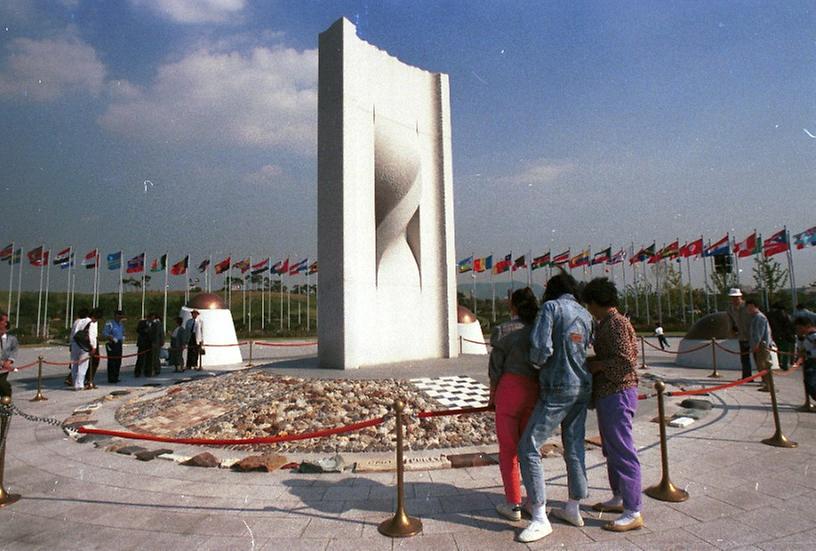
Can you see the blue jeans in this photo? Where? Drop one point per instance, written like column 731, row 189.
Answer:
column 567, row 407
column 809, row 373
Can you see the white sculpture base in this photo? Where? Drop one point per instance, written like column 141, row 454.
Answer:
column 471, row 338
column 218, row 329
column 703, row 357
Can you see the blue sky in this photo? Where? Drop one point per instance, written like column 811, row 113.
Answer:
column 574, row 123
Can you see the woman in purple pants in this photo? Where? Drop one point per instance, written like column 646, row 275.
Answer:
column 614, row 390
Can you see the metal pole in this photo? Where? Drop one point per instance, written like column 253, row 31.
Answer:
column 19, row 288
column 39, row 397
column 714, row 374
column 47, row 288
column 250, row 364
column 11, row 276
column 400, row 525
column 5, row 420
column 778, row 439
column 643, row 353
column 39, row 299
column 664, row 490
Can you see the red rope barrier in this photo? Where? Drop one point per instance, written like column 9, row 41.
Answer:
column 47, row 362
column 236, row 441
column 721, row 347
column 309, row 343
column 222, row 345
column 719, row 387
column 19, row 367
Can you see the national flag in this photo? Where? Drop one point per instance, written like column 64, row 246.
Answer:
column 114, row 261
column 541, row 261
column 777, row 243
column 62, row 257
column 242, row 265
column 618, row 257
column 312, row 268
column 6, row 253
column 521, row 262
column 37, row 257
column 136, row 264
column 180, row 267
column 465, row 265
column 280, row 267
column 260, row 267
column 159, row 264
column 805, row 239
column 204, row 265
column 580, row 259
column 720, row 248
column 692, row 248
column 478, row 265
column 223, row 266
column 602, row 257
column 503, row 265
column 91, row 259
column 561, row 259
column 68, row 262
column 301, row 266
column 645, row 253
column 748, row 247
column 670, row 251
column 18, row 255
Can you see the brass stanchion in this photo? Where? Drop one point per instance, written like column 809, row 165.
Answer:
column 39, row 397
column 5, row 420
column 664, row 490
column 401, row 525
column 643, row 353
column 250, row 364
column 778, row 439
column 714, row 374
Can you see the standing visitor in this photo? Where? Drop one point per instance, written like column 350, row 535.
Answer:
column 661, row 337
column 783, row 332
column 741, row 327
column 142, row 348
column 83, row 343
column 806, row 352
column 114, row 331
column 177, row 341
column 8, row 352
column 614, row 390
column 93, row 364
column 559, row 341
column 195, row 330
column 156, row 333
column 513, row 392
column 761, row 342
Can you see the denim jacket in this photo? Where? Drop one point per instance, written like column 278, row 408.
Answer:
column 559, row 341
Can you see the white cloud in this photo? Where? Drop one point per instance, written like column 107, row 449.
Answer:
column 267, row 174
column 194, row 11
column 44, row 70
column 541, row 172
column 266, row 98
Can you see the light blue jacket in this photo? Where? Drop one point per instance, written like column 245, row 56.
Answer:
column 559, row 341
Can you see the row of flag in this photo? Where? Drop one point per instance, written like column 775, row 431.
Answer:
column 777, row 243
column 65, row 258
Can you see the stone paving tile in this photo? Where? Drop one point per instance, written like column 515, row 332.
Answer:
column 673, row 541
column 466, row 502
column 346, row 493
column 435, row 542
column 704, row 508
column 747, row 499
column 358, row 544
column 334, row 528
column 726, row 533
column 563, row 536
column 774, row 523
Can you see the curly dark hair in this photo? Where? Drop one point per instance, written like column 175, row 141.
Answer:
column 525, row 303
column 560, row 284
column 602, row 292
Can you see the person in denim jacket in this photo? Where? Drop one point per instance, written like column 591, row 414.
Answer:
column 559, row 341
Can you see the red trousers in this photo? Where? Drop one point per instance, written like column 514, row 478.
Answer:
column 516, row 397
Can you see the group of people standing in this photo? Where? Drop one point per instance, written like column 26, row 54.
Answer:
column 85, row 339
column 541, row 377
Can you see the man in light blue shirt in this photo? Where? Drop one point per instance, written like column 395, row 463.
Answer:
column 559, row 341
column 760, row 340
column 114, row 332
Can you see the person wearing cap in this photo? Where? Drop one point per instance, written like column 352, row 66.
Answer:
column 114, row 332
column 741, row 325
column 195, row 329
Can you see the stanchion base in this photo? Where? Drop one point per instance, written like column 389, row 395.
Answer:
column 401, row 526
column 779, row 440
column 8, row 499
column 40, row 397
column 715, row 375
column 644, row 367
column 807, row 407
column 666, row 491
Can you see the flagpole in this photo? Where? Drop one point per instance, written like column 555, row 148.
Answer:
column 263, row 299
column 289, row 309
column 39, row 296
column 792, row 277
column 646, row 296
column 68, row 288
column 207, row 275
column 229, row 287
column 47, row 286
column 19, row 287
column 166, row 283
column 281, row 297
column 625, row 294
column 493, row 288
column 121, row 264
column 243, row 294
column 73, row 294
column 11, row 275
column 691, row 289
column 94, row 284
column 308, row 300
column 269, row 289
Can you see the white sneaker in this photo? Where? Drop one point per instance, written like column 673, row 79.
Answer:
column 508, row 511
column 564, row 515
column 535, row 531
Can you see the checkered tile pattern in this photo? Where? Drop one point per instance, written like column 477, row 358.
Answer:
column 454, row 392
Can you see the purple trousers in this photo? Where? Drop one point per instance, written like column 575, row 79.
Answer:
column 615, row 414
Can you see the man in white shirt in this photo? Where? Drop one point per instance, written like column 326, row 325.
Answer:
column 81, row 351
column 195, row 329
column 8, row 351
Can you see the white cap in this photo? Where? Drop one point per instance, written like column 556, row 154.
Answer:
column 734, row 292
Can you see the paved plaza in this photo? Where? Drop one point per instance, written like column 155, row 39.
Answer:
column 744, row 495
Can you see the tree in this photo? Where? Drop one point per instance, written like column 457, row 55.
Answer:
column 136, row 282
column 770, row 276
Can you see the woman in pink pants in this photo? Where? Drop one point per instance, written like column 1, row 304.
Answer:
column 513, row 392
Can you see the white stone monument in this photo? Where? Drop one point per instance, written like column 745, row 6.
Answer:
column 218, row 329
column 385, row 207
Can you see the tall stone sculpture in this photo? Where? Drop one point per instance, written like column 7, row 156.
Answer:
column 385, row 207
